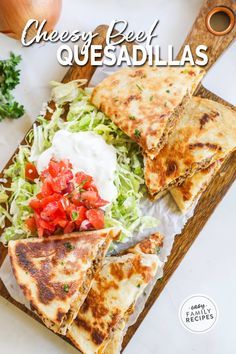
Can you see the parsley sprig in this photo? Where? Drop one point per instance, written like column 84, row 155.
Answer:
column 9, row 79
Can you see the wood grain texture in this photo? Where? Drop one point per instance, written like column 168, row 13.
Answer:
column 215, row 191
column 200, row 35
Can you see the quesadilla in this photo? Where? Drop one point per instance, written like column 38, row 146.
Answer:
column 205, row 133
column 55, row 273
column 185, row 194
column 114, row 345
column 146, row 102
column 112, row 298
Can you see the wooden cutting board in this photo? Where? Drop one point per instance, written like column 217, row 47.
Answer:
column 218, row 186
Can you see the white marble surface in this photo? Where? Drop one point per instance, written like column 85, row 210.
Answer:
column 209, row 265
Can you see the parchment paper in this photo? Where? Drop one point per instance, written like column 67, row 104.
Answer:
column 171, row 222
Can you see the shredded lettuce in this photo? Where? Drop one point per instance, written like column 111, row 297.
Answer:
column 125, row 211
column 16, row 208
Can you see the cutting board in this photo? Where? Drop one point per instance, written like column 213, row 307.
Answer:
column 218, row 186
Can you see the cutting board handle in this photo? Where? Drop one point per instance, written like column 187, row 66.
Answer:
column 200, row 34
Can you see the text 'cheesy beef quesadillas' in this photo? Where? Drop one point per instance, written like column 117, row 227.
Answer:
column 186, row 194
column 55, row 273
column 145, row 103
column 112, row 297
column 205, row 133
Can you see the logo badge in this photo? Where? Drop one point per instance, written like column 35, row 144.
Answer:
column 198, row 314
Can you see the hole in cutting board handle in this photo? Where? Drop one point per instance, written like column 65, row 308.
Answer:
column 220, row 20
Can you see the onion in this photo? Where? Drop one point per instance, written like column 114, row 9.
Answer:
column 15, row 14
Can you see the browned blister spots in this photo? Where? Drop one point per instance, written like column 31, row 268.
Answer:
column 150, row 244
column 206, row 117
column 43, row 272
column 171, row 168
column 95, row 302
column 60, row 314
column 117, row 271
column 186, row 189
column 137, row 73
column 132, row 98
column 81, row 323
column 204, row 145
column 97, row 336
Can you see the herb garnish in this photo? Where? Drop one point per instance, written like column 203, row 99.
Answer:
column 66, row 288
column 137, row 133
column 168, row 91
column 150, row 98
column 132, row 117
column 69, row 246
column 74, row 215
column 9, row 79
column 139, row 87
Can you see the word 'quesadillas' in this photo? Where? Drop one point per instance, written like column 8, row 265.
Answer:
column 112, row 297
column 205, row 133
column 145, row 103
column 55, row 273
column 185, row 194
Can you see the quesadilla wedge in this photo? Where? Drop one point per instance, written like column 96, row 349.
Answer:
column 146, row 102
column 185, row 194
column 112, row 297
column 55, row 273
column 205, row 133
column 115, row 343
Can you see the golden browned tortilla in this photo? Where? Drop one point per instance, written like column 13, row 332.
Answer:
column 100, row 322
column 146, row 102
column 55, row 273
column 205, row 133
column 185, row 194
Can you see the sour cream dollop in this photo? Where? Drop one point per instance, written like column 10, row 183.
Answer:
column 87, row 152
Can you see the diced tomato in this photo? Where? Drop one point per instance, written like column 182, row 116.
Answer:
column 81, row 212
column 69, row 175
column 46, row 225
column 31, row 172
column 89, row 197
column 76, row 199
column 96, row 218
column 100, row 203
column 59, row 184
column 49, row 211
column 69, row 189
column 35, row 204
column 65, row 165
column 31, row 224
column 83, row 180
column 53, row 168
column 44, row 175
column 69, row 227
column 50, row 199
column 92, row 199
column 92, row 187
column 62, row 223
column 40, row 231
column 47, row 189
column 66, row 203
column 39, row 196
